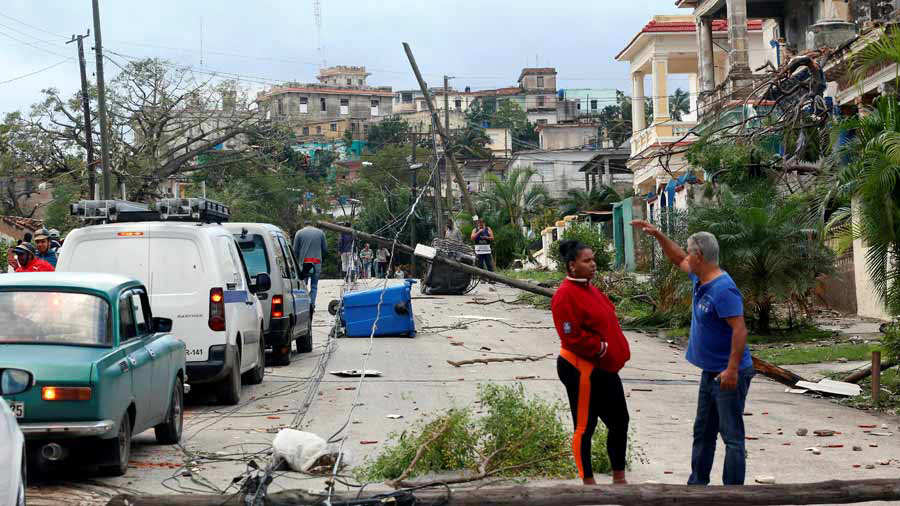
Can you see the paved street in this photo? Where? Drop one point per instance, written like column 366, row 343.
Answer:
column 417, row 380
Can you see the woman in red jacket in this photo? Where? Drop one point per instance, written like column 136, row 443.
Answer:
column 594, row 349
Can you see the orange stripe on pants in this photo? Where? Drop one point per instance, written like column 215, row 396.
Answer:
column 585, row 368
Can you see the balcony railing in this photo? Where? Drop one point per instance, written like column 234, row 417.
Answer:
column 660, row 133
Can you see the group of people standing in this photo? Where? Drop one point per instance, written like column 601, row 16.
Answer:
column 594, row 350
column 37, row 256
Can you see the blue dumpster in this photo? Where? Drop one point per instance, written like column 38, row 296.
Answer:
column 360, row 310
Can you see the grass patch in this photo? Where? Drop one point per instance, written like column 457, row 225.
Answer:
column 803, row 334
column 816, row 354
column 527, row 436
column 534, row 275
column 533, row 299
column 889, row 398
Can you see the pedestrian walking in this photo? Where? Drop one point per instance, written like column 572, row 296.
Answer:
column 381, row 261
column 366, row 256
column 310, row 248
column 718, row 346
column 593, row 351
column 483, row 236
column 345, row 248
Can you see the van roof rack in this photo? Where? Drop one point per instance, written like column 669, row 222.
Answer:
column 196, row 210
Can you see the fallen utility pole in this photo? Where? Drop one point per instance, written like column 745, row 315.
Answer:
column 445, row 136
column 826, row 492
column 776, row 373
column 515, row 283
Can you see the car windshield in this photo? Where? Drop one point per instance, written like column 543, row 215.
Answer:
column 253, row 249
column 54, row 318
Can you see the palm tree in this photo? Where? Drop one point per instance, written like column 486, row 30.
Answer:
column 679, row 104
column 516, row 196
column 772, row 255
column 598, row 198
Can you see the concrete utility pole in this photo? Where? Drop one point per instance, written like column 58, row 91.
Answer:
column 101, row 101
column 86, row 106
column 445, row 136
column 444, row 168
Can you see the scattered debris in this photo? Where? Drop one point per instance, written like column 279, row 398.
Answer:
column 641, row 389
column 368, row 442
column 355, row 373
column 870, row 466
column 802, row 432
column 456, row 343
column 523, row 358
column 796, row 390
column 866, row 426
column 476, row 317
column 857, row 448
column 525, row 377
column 842, row 360
column 394, row 417
column 765, row 480
column 824, row 432
column 834, row 446
column 880, row 433
column 300, row 450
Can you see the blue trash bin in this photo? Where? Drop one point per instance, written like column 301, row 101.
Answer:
column 360, row 310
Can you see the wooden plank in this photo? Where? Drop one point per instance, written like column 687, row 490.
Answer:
column 827, row 492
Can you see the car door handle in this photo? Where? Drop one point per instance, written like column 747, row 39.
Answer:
column 151, row 352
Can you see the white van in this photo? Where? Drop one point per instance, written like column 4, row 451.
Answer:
column 197, row 278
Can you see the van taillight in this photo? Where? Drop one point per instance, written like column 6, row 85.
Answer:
column 217, row 309
column 277, row 306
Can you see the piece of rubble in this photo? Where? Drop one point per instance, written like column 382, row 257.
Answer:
column 885, row 462
column 881, row 433
column 824, row 432
column 394, row 417
column 857, row 448
column 355, row 373
column 765, row 480
column 842, row 360
column 802, row 432
column 870, row 466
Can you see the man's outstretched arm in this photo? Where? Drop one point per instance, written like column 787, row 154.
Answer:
column 672, row 250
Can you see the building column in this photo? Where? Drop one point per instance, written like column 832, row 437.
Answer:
column 705, row 54
column 638, row 122
column 693, row 88
column 739, row 59
column 593, row 177
column 587, row 180
column 607, row 175
column 660, row 65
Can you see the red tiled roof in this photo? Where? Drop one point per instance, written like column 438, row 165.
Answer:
column 513, row 90
column 654, row 26
column 29, row 224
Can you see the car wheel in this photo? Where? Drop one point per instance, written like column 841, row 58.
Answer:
column 23, row 482
column 280, row 355
column 169, row 432
column 230, row 387
column 119, row 449
column 304, row 344
column 256, row 375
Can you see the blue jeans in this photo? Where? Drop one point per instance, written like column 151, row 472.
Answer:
column 720, row 412
column 313, row 283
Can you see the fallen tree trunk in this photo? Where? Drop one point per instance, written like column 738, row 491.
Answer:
column 827, row 492
column 776, row 373
column 865, row 373
column 493, row 276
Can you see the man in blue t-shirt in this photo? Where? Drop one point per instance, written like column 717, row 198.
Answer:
column 718, row 346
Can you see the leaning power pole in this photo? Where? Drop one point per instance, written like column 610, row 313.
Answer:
column 445, row 136
column 444, row 168
column 101, row 102
column 86, row 106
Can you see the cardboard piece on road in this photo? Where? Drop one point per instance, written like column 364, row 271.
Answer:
column 828, row 386
column 354, row 373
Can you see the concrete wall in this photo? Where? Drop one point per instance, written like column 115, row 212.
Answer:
column 358, row 106
column 530, row 82
column 565, row 137
column 501, row 141
column 868, row 303
column 557, row 171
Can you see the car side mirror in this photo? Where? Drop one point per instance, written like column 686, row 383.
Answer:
column 15, row 381
column 263, row 283
column 162, row 324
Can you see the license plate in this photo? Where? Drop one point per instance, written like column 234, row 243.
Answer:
column 18, row 409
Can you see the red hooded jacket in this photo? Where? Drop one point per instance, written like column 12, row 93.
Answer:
column 587, row 325
column 36, row 265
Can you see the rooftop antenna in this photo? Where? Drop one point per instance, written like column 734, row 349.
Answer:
column 317, row 13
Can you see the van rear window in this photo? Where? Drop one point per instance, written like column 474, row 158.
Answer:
column 253, row 249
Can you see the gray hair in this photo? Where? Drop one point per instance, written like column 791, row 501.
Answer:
column 706, row 244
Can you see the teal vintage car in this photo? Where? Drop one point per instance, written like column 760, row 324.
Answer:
column 102, row 368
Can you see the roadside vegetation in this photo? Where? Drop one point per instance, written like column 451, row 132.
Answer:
column 506, row 433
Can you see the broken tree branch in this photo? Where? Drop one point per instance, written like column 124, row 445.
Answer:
column 827, row 492
column 865, row 373
column 526, row 358
column 421, row 451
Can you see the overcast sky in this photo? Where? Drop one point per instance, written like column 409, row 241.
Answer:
column 484, row 43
